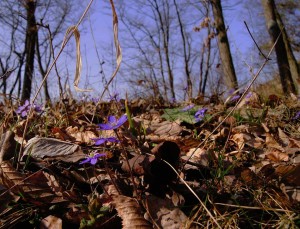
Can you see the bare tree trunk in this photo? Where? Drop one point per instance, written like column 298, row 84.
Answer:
column 165, row 30
column 224, row 48
column 294, row 67
column 207, row 62
column 31, row 36
column 288, row 85
column 186, row 53
column 42, row 70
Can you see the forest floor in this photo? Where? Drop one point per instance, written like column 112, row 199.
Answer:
column 145, row 164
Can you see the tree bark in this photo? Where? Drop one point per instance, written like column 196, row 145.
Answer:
column 186, row 53
column 224, row 48
column 31, row 36
column 294, row 66
column 165, row 31
column 287, row 83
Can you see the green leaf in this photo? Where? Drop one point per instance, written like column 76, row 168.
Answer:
column 177, row 114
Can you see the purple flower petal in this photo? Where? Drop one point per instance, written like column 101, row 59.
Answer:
column 122, row 120
column 297, row 116
column 92, row 159
column 85, row 161
column 200, row 114
column 187, row 108
column 112, row 119
column 100, row 141
column 235, row 98
column 113, row 123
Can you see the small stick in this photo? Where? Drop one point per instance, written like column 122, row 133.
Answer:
column 256, row 43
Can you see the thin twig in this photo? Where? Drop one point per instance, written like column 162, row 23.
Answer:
column 256, row 43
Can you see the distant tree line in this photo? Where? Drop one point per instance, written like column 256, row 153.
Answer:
column 167, row 43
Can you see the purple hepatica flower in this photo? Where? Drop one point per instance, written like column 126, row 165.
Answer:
column 187, row 108
column 92, row 159
column 297, row 116
column 200, row 114
column 113, row 123
column 235, row 98
column 23, row 110
column 100, row 141
column 95, row 100
column 114, row 97
column 172, row 100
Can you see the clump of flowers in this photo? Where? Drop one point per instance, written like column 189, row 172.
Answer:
column 92, row 158
column 199, row 115
column 25, row 108
column 113, row 123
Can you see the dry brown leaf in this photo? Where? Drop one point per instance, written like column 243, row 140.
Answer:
column 167, row 128
column 239, row 140
column 33, row 187
column 289, row 174
column 293, row 192
column 276, row 155
column 81, row 136
column 163, row 213
column 283, row 137
column 39, row 148
column 249, row 177
column 136, row 164
column 7, row 146
column 199, row 156
column 129, row 210
column 59, row 134
column 51, row 222
column 272, row 143
column 293, row 143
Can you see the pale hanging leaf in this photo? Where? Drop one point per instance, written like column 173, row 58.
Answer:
column 117, row 46
column 129, row 210
column 39, row 148
column 70, row 31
